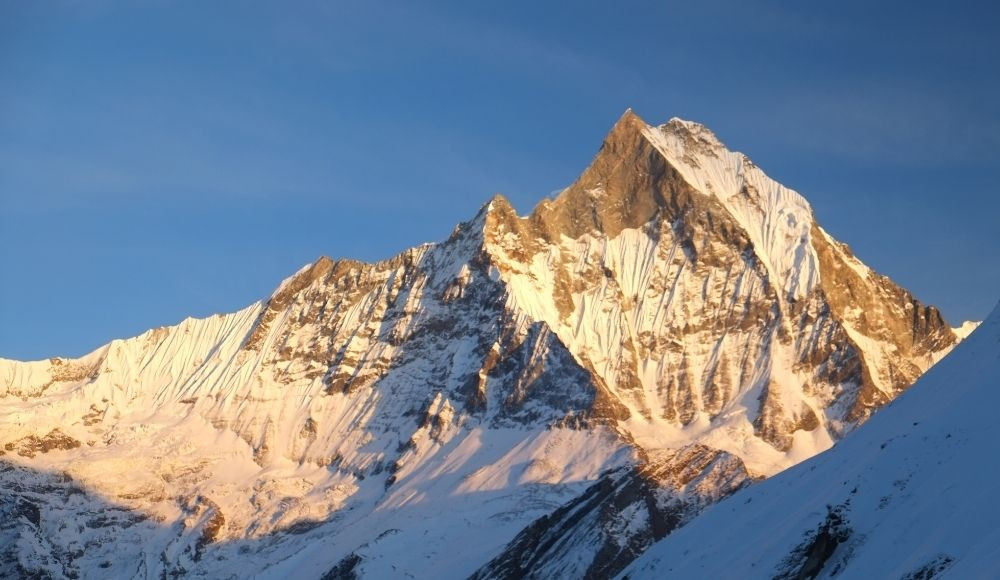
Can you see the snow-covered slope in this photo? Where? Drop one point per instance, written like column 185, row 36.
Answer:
column 778, row 220
column 911, row 494
column 365, row 418
column 596, row 534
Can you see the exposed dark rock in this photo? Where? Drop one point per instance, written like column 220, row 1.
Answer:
column 601, row 531
column 32, row 445
column 808, row 559
column 346, row 569
column 931, row 569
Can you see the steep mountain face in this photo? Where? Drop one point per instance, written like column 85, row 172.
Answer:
column 911, row 494
column 674, row 316
column 705, row 295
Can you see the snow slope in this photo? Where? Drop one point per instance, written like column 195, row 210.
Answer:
column 603, row 529
column 778, row 220
column 910, row 494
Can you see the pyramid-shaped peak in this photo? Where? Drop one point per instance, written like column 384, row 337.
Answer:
column 687, row 134
column 626, row 127
column 498, row 201
column 630, row 117
column 609, row 195
column 497, row 204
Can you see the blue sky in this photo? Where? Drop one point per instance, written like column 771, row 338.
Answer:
column 160, row 159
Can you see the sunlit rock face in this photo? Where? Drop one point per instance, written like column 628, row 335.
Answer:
column 674, row 302
column 910, row 494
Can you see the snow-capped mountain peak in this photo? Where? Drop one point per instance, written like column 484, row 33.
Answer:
column 674, row 316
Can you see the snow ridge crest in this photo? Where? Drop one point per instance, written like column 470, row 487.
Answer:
column 778, row 220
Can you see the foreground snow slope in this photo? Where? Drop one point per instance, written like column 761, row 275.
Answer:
column 911, row 494
column 674, row 316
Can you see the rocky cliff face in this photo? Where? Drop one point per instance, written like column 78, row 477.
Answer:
column 910, row 494
column 674, row 296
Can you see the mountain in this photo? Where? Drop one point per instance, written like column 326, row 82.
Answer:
column 673, row 326
column 909, row 495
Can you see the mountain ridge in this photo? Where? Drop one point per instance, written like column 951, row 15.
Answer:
column 653, row 306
